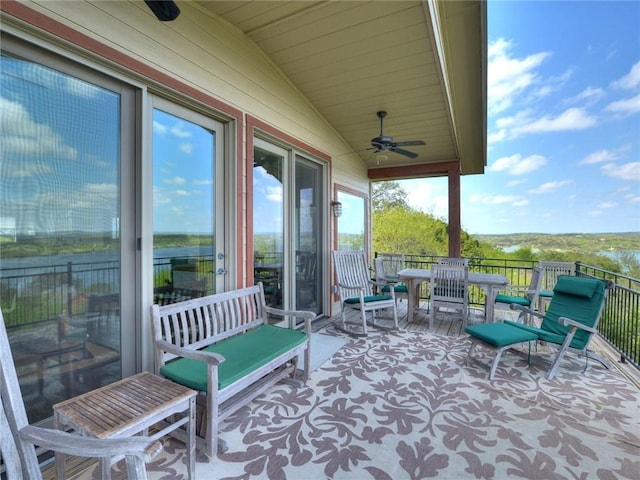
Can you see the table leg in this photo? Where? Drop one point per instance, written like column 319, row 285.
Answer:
column 490, row 300
column 413, row 298
column 60, row 457
column 191, row 439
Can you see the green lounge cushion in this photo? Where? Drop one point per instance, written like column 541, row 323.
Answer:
column 546, row 293
column 579, row 307
column 402, row 288
column 368, row 299
column 243, row 354
column 577, row 286
column 515, row 299
column 499, row 334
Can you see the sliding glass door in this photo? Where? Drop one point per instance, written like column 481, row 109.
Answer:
column 288, row 215
column 66, row 241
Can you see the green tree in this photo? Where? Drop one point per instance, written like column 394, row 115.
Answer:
column 388, row 194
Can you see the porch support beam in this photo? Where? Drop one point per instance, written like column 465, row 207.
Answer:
column 452, row 171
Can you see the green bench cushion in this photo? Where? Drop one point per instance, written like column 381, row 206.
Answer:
column 513, row 299
column 546, row 293
column 244, row 353
column 371, row 298
column 401, row 288
column 500, row 334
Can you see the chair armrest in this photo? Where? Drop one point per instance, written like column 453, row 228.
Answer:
column 304, row 314
column 522, row 308
column 568, row 322
column 351, row 287
column 207, row 357
column 75, row 444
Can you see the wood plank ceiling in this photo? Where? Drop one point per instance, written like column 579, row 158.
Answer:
column 422, row 62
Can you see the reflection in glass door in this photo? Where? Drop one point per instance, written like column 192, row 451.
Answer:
column 308, row 239
column 188, row 248
column 268, row 220
column 64, row 141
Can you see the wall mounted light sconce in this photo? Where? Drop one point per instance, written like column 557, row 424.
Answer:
column 337, row 208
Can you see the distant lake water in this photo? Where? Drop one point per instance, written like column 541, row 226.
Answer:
column 614, row 254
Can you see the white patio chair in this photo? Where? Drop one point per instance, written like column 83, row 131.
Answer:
column 449, row 292
column 18, row 438
column 355, row 289
column 552, row 270
column 387, row 267
column 525, row 296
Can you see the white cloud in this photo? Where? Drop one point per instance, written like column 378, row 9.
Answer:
column 274, row 194
column 629, row 81
column 517, row 165
column 608, row 205
column 21, row 135
column 160, row 128
column 628, row 171
column 515, row 183
column 631, row 198
column 598, row 157
column 507, row 77
column 186, row 148
column 550, row 186
column 627, row 106
column 570, row 119
column 176, row 181
column 182, row 193
column 589, row 95
column 179, row 131
column 514, row 200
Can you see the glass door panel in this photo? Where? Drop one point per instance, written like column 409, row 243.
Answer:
column 60, row 230
column 268, row 220
column 352, row 222
column 308, row 239
column 184, row 205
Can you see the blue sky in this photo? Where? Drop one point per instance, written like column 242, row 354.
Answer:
column 563, row 123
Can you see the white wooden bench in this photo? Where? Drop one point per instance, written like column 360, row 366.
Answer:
column 224, row 347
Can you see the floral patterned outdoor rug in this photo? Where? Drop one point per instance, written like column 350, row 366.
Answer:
column 403, row 405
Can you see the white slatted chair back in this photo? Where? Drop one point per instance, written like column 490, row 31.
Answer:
column 449, row 291
column 355, row 289
column 552, row 270
column 454, row 261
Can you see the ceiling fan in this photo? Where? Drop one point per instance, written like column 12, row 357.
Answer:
column 384, row 142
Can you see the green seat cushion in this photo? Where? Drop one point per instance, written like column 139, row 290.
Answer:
column 515, row 299
column 368, row 299
column 546, row 293
column 544, row 335
column 243, row 354
column 402, row 288
column 500, row 334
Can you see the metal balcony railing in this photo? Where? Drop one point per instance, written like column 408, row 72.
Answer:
column 620, row 322
column 34, row 295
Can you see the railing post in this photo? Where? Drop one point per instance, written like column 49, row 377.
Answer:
column 69, row 291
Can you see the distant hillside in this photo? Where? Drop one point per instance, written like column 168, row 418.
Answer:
column 583, row 242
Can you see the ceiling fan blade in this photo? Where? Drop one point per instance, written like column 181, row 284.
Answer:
column 404, row 152
column 164, row 10
column 410, row 142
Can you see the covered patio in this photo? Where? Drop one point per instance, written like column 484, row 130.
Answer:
column 405, row 405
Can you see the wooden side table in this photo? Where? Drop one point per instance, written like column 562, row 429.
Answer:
column 127, row 408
